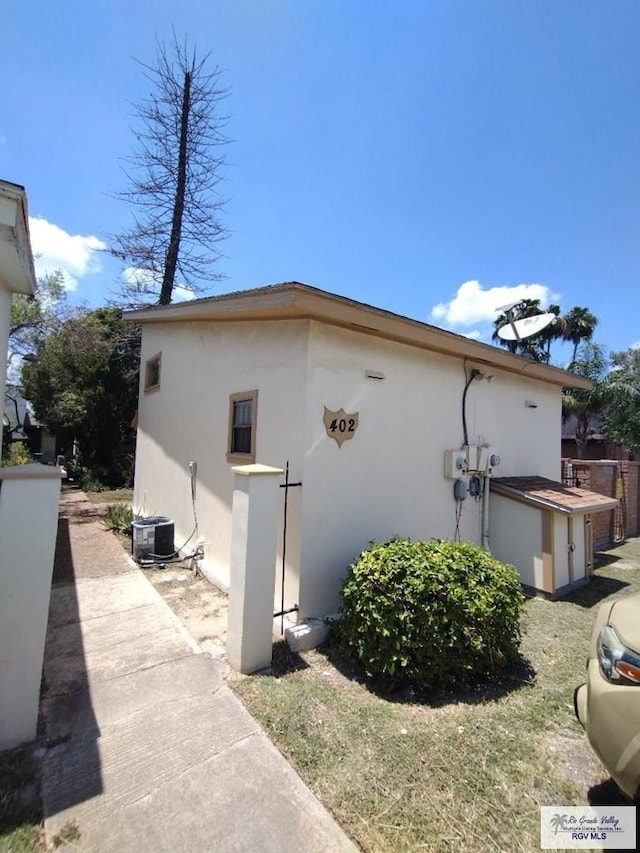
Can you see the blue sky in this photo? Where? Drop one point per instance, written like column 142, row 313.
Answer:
column 430, row 158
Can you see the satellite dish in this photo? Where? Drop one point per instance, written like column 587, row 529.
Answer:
column 506, row 308
column 518, row 330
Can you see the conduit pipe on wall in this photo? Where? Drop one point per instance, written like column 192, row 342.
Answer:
column 485, row 513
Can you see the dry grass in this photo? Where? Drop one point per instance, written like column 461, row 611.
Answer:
column 465, row 771
column 111, row 496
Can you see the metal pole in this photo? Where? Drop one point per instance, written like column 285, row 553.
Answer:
column 284, row 544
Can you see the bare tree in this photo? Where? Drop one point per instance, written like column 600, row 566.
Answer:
column 173, row 180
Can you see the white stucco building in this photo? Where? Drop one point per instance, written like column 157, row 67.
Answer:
column 363, row 405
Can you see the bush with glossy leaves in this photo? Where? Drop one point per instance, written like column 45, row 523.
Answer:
column 437, row 613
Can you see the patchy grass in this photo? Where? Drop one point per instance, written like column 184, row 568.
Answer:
column 67, row 835
column 111, row 496
column 20, row 808
column 448, row 770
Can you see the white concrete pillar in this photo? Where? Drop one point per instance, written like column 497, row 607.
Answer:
column 28, row 527
column 254, row 533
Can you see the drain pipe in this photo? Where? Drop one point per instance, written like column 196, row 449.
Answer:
column 485, row 514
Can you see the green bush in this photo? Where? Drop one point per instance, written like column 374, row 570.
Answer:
column 17, row 454
column 73, row 469
column 100, row 478
column 119, row 518
column 437, row 613
column 90, row 481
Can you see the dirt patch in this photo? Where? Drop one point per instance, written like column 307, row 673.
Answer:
column 573, row 758
column 200, row 606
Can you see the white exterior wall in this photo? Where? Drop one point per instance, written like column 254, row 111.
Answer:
column 516, row 536
column 388, row 480
column 187, row 419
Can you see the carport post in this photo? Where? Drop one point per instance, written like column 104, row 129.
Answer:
column 254, row 526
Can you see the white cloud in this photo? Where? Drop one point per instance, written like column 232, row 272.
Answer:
column 636, row 345
column 141, row 277
column 181, row 294
column 473, row 304
column 55, row 249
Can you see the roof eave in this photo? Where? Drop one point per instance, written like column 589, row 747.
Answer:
column 17, row 273
column 534, row 500
column 299, row 301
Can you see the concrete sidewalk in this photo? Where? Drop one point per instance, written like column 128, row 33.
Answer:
column 147, row 748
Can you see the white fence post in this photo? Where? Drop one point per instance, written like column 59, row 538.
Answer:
column 254, row 533
column 28, row 526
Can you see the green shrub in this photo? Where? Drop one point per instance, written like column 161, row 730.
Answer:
column 99, row 478
column 90, row 481
column 119, row 518
column 17, row 454
column 437, row 613
column 73, row 469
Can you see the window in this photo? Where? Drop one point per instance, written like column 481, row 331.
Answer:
column 242, row 427
column 152, row 374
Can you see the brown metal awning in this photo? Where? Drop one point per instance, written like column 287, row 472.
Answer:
column 549, row 494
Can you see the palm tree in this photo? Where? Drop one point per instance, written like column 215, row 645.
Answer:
column 576, row 326
column 579, row 324
column 587, row 403
column 622, row 417
column 537, row 346
column 553, row 332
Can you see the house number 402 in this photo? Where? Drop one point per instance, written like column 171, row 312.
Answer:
column 343, row 425
column 340, row 425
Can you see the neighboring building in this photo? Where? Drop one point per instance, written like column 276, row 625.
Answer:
column 363, row 404
column 13, row 418
column 21, row 425
column 597, row 446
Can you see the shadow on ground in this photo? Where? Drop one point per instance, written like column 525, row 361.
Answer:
column 520, row 675
column 607, row 793
column 597, row 590
column 67, row 721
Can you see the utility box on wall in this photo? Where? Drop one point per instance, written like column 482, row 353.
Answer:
column 544, row 529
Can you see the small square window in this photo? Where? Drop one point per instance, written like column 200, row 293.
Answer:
column 242, row 427
column 152, row 373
